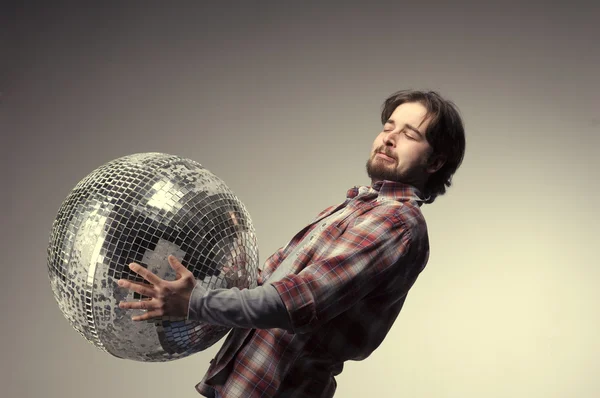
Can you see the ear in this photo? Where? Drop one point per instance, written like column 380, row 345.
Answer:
column 435, row 163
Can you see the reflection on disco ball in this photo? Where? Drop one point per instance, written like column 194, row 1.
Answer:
column 142, row 208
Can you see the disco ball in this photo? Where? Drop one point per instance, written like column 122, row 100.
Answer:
column 142, row 208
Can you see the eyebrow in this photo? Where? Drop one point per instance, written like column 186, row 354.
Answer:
column 408, row 126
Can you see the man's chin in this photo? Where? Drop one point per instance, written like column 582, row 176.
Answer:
column 380, row 171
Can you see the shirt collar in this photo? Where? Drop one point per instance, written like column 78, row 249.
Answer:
column 391, row 190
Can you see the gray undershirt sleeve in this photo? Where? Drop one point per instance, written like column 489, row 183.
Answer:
column 257, row 308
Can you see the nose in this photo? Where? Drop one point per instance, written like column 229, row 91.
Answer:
column 389, row 138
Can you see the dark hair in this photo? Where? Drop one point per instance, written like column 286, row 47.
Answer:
column 445, row 134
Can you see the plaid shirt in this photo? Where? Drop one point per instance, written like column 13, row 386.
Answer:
column 344, row 292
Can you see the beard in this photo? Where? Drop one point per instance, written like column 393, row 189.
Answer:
column 379, row 169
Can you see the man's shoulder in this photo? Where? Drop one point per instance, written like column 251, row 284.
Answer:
column 407, row 213
column 403, row 209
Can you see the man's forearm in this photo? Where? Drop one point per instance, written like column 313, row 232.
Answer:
column 258, row 308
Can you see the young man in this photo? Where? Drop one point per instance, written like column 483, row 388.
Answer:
column 334, row 291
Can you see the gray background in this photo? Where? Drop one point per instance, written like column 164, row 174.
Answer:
column 281, row 100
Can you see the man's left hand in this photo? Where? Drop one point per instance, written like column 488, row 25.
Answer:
column 166, row 298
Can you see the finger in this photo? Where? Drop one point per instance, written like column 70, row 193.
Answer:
column 145, row 273
column 138, row 288
column 148, row 315
column 176, row 264
column 179, row 268
column 143, row 284
column 137, row 305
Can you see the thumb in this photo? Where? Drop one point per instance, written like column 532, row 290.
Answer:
column 175, row 264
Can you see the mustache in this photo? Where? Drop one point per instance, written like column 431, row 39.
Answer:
column 383, row 151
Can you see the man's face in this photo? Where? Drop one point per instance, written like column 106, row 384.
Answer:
column 404, row 146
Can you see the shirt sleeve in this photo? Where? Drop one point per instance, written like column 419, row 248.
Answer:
column 365, row 255
column 257, row 308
